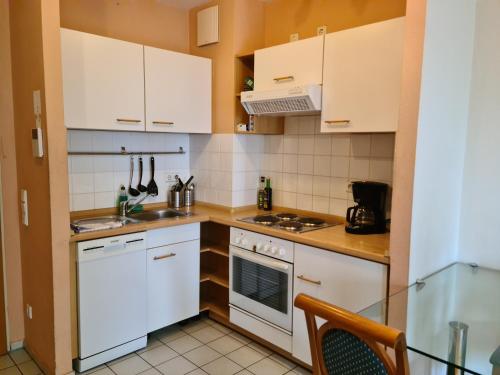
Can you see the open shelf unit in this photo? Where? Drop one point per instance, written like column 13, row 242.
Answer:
column 244, row 67
column 214, row 271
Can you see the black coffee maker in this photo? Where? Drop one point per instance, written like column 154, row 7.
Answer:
column 368, row 216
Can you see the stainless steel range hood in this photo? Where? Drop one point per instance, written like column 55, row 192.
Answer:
column 300, row 100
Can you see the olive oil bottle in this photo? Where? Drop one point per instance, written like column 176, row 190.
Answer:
column 268, row 196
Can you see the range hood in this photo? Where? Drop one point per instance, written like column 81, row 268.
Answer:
column 298, row 100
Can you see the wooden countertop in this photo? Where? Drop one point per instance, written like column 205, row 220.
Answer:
column 373, row 247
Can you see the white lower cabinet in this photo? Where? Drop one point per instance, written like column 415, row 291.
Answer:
column 342, row 280
column 173, row 270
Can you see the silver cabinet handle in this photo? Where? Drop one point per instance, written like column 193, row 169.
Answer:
column 303, row 278
column 129, row 120
column 281, row 79
column 163, row 123
column 159, row 257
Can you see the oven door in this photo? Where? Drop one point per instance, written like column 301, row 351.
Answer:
column 262, row 286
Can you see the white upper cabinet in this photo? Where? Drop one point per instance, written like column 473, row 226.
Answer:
column 103, row 82
column 289, row 65
column 178, row 92
column 362, row 78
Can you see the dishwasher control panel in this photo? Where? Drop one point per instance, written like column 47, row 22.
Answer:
column 102, row 247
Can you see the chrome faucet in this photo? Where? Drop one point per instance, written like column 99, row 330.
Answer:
column 124, row 206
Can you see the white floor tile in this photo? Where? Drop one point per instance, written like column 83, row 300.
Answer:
column 103, row 371
column 30, row 368
column 264, row 351
column 240, row 338
column 283, row 361
column 207, row 334
column 202, row 355
column 184, row 344
column 195, row 325
column 222, row 366
column 130, row 366
column 245, row 356
column 267, row 367
column 10, row 371
column 19, row 356
column 5, row 361
column 225, row 344
column 158, row 355
column 176, row 366
column 169, row 334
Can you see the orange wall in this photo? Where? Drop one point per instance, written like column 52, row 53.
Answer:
column 284, row 17
column 406, row 139
column 35, row 41
column 149, row 22
column 9, row 186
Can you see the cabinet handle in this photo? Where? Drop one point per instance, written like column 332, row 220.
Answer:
column 128, row 120
column 159, row 257
column 285, row 78
column 338, row 122
column 163, row 123
column 303, row 278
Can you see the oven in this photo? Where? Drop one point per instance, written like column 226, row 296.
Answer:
column 261, row 285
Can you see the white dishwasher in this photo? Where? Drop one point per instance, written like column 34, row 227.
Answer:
column 112, row 304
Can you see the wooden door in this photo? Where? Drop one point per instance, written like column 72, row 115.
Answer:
column 178, row 92
column 289, row 65
column 103, row 82
column 362, row 78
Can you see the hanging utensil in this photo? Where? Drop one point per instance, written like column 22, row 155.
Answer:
column 133, row 192
column 140, row 186
column 152, row 187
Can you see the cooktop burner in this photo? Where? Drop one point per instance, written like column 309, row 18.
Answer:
column 288, row 221
column 266, row 219
column 286, row 216
column 311, row 221
column 292, row 226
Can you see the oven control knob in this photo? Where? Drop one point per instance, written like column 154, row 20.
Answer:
column 244, row 242
column 274, row 249
column 267, row 248
column 259, row 246
column 281, row 252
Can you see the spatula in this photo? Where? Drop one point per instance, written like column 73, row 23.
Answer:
column 152, row 187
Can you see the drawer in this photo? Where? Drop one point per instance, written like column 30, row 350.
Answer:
column 171, row 235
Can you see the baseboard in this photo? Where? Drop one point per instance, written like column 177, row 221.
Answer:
column 16, row 345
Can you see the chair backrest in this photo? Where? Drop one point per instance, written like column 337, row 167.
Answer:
column 349, row 343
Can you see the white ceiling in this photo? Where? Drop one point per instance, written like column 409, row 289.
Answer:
column 184, row 4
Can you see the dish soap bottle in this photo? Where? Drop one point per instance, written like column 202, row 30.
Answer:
column 260, row 193
column 122, row 197
column 268, row 196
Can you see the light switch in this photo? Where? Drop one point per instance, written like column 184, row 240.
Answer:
column 24, row 206
column 37, row 103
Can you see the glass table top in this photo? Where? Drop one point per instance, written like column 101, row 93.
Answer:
column 457, row 305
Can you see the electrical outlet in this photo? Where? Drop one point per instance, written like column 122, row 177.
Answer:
column 171, row 177
column 29, row 312
column 294, row 37
column 321, row 30
column 24, row 207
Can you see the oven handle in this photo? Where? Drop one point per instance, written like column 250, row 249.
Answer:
column 260, row 259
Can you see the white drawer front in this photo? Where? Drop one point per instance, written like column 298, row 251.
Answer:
column 172, row 235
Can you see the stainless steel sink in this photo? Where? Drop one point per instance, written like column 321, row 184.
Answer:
column 101, row 222
column 157, row 215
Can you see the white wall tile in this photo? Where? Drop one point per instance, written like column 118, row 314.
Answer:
column 273, row 144
column 83, row 202
column 360, row 145
column 340, row 166
column 322, row 165
column 307, row 124
column 305, row 164
column 339, row 188
column 359, row 168
column 81, row 164
column 321, row 186
column 292, row 125
column 381, row 169
column 289, row 199
column 104, row 182
column 290, row 163
column 104, row 200
column 306, row 145
column 290, row 182
column 304, row 184
column 291, row 144
column 305, row 202
column 338, row 207
column 341, row 144
column 382, row 145
column 323, row 144
column 82, row 183
column 321, row 204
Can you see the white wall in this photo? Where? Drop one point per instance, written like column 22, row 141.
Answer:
column 442, row 127
column 481, row 190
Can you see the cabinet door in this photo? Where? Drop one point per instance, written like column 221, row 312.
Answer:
column 362, row 78
column 178, row 92
column 345, row 281
column 289, row 65
column 173, row 283
column 103, row 82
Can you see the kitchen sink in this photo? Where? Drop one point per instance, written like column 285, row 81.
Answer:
column 157, row 215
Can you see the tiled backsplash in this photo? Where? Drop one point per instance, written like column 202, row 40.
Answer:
column 226, row 167
column 310, row 170
column 95, row 180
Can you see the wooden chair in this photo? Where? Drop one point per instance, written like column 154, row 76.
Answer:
column 349, row 344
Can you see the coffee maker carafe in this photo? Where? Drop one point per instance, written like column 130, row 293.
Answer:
column 368, row 215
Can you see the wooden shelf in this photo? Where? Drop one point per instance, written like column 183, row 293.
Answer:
column 215, row 249
column 220, row 311
column 214, row 278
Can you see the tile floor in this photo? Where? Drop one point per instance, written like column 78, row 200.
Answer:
column 18, row 362
column 201, row 346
